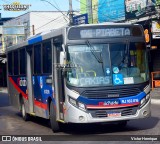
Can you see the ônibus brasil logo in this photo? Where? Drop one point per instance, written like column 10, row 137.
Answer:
column 16, row 6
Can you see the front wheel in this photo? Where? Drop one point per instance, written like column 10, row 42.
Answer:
column 55, row 126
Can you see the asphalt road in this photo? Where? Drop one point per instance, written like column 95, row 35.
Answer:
column 11, row 123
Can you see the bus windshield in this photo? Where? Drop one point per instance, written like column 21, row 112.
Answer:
column 107, row 64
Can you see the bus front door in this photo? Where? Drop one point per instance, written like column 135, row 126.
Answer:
column 58, row 81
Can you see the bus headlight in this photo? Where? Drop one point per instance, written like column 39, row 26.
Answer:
column 72, row 101
column 143, row 101
column 147, row 96
column 77, row 104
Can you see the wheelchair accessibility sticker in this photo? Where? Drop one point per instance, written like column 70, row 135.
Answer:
column 117, row 79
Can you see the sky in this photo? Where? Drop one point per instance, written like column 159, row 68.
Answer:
column 38, row 5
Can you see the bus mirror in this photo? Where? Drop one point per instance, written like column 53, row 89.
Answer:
column 62, row 58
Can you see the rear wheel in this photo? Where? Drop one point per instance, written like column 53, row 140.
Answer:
column 55, row 126
column 25, row 116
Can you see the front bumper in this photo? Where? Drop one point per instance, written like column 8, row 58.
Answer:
column 75, row 115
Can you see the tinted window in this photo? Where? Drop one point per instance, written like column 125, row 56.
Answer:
column 22, row 61
column 47, row 58
column 37, row 59
column 10, row 60
column 16, row 63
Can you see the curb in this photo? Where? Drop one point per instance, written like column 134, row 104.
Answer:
column 155, row 101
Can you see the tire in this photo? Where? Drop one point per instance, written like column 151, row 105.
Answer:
column 25, row 116
column 55, row 126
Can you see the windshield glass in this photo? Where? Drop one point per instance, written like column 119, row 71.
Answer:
column 107, row 64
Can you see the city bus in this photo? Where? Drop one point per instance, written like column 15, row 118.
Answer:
column 94, row 73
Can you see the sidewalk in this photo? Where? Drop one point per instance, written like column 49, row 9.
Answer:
column 3, row 90
column 155, row 94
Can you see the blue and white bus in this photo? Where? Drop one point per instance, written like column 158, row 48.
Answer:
column 81, row 74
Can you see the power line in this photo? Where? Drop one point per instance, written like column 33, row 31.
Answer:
column 56, row 9
column 56, row 4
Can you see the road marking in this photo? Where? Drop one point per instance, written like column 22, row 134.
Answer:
column 155, row 101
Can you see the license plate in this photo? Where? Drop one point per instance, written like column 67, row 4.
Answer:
column 114, row 114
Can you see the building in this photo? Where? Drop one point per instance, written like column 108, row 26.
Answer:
column 32, row 23
column 3, row 82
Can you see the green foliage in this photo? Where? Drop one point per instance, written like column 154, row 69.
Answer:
column 157, row 2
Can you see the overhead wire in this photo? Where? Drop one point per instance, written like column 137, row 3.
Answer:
column 56, row 4
column 56, row 9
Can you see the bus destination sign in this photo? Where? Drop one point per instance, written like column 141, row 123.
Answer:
column 107, row 32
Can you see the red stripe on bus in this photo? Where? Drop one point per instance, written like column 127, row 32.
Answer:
column 112, row 106
column 37, row 103
column 18, row 89
column 41, row 105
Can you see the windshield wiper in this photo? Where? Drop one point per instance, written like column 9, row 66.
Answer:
column 92, row 49
column 93, row 52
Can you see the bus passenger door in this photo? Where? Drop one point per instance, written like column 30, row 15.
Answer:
column 58, row 81
column 29, row 51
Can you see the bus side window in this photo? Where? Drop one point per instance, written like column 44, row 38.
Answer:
column 22, row 61
column 37, row 59
column 47, row 57
column 10, row 63
column 16, row 63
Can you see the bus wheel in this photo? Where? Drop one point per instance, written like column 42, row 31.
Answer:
column 25, row 116
column 55, row 126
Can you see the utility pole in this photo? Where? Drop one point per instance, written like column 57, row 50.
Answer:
column 70, row 13
column 33, row 30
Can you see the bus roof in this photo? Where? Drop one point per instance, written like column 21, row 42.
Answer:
column 57, row 32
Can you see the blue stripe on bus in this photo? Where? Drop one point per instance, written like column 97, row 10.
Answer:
column 35, row 40
column 122, row 100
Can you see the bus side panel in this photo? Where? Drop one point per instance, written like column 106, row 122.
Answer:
column 42, row 91
column 16, row 86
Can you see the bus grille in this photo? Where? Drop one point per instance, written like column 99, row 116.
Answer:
column 110, row 93
column 124, row 112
